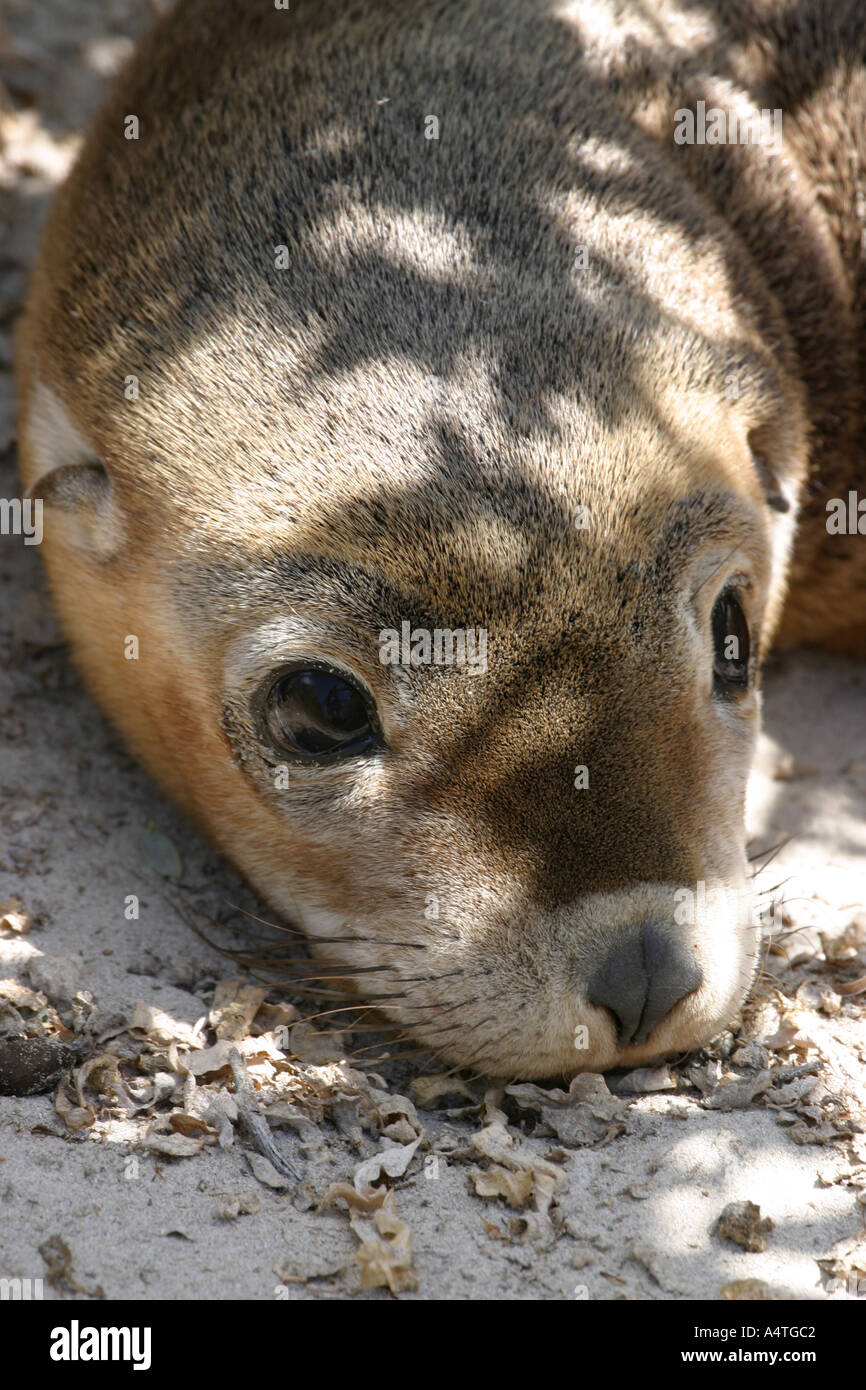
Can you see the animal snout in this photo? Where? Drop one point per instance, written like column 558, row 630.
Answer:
column 642, row 976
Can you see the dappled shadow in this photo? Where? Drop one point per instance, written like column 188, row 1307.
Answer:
column 522, row 308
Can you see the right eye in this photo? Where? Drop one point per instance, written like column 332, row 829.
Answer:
column 730, row 644
column 316, row 713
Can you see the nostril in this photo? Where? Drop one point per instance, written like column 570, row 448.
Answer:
column 673, row 973
column 620, row 985
column 646, row 972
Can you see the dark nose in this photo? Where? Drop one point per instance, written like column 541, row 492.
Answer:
column 645, row 972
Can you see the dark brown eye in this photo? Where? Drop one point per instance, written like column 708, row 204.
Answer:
column 730, row 644
column 316, row 713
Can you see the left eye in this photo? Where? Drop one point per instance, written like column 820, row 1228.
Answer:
column 313, row 712
column 730, row 643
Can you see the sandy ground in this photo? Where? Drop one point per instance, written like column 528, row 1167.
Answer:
column 140, row 1179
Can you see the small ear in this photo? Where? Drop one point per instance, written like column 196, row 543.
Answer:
column 69, row 480
column 771, row 485
column 777, row 465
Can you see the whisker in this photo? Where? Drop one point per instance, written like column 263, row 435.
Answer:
column 772, row 852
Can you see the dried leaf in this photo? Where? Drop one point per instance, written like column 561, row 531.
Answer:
column 846, row 945
column 14, row 920
column 356, row 1201
column 739, row 1093
column 21, row 997
column 191, row 1125
column 235, row 1005
column 386, row 1256
column 846, row 1261
column 172, row 1145
column 397, row 1116
column 390, row 1163
column 75, row 1117
column 586, row 1115
column 496, row 1181
column 646, row 1080
column 266, row 1173
column 159, row 1027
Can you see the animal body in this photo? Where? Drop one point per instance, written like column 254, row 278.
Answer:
column 436, row 424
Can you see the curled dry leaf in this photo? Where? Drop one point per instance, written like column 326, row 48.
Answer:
column 102, row 1074
column 585, row 1115
column 495, row 1143
column 707, row 1078
column 385, row 1255
column 390, row 1163
column 20, row 997
column 793, row 1032
column 289, row 1272
column 14, row 921
column 846, row 945
column 355, row 1201
column 159, row 1027
column 751, row 1055
column 235, row 1005
column 496, row 1181
column 792, row 1094
column 260, row 1055
column 172, row 1145
column 396, row 1115
column 189, row 1125
column 312, row 1140
column 816, row 994
column 738, row 1092
column 645, row 1081
column 846, row 1261
column 75, row 1117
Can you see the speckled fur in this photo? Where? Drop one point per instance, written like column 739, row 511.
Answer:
column 404, row 424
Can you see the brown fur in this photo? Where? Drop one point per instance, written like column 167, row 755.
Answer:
column 403, row 425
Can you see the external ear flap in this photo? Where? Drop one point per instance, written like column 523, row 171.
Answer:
column 79, row 504
column 74, row 487
column 778, row 452
column 772, row 453
column 770, row 483
column 68, row 480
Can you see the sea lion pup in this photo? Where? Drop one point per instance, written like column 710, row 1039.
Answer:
column 421, row 412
